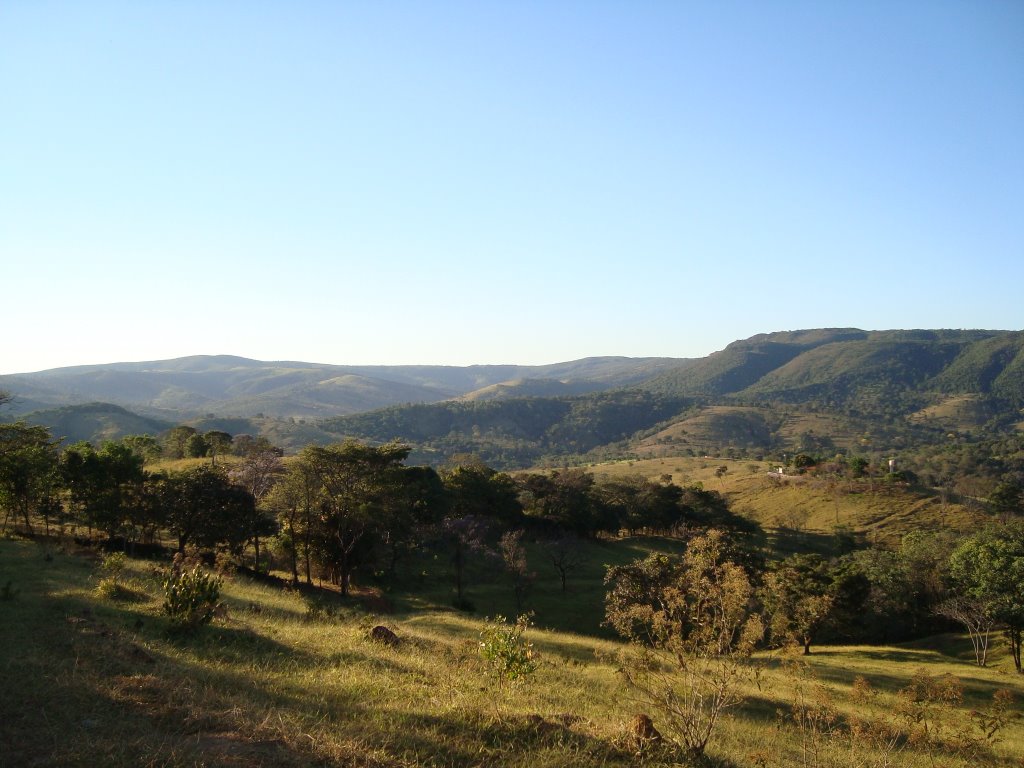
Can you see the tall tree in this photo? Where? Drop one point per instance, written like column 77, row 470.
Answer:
column 989, row 567
column 203, row 507
column 175, row 440
column 476, row 490
column 103, row 483
column 28, row 470
column 565, row 499
column 513, row 555
column 566, row 555
column 145, row 446
column 417, row 505
column 217, row 443
column 257, row 474
column 196, row 446
column 797, row 598
column 294, row 499
column 357, row 484
column 465, row 537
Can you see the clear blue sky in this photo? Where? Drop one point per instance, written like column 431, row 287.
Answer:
column 521, row 182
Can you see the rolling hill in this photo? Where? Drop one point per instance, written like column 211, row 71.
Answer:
column 191, row 387
column 823, row 390
column 96, row 422
column 818, row 390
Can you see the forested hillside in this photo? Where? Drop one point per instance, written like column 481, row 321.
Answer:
column 821, row 390
column 514, row 432
column 865, row 370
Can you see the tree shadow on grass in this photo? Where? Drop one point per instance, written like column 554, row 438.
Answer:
column 787, row 541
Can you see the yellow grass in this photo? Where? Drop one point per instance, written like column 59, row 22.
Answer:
column 94, row 681
column 880, row 512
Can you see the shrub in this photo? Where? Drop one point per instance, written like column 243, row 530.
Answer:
column 509, row 655
column 114, row 565
column 692, row 635
column 190, row 598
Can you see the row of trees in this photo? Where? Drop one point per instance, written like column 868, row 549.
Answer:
column 351, row 506
column 335, row 510
column 185, row 442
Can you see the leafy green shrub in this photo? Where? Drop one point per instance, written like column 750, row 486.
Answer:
column 506, row 650
column 108, row 587
column 190, row 598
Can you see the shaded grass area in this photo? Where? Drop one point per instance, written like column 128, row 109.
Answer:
column 427, row 581
column 89, row 680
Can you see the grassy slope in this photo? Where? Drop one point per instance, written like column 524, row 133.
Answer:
column 91, row 681
column 814, row 507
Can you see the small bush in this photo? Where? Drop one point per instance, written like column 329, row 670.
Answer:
column 114, row 565
column 506, row 650
column 108, row 587
column 190, row 598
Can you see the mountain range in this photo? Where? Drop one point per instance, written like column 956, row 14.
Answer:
column 224, row 385
column 832, row 388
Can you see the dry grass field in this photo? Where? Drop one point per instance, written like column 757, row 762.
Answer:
column 287, row 678
column 800, row 503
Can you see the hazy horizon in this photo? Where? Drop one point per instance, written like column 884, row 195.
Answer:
column 345, row 364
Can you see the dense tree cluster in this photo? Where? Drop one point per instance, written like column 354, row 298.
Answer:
column 514, row 432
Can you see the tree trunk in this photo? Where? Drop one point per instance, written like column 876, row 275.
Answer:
column 1014, row 633
column 294, row 552
column 309, row 570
